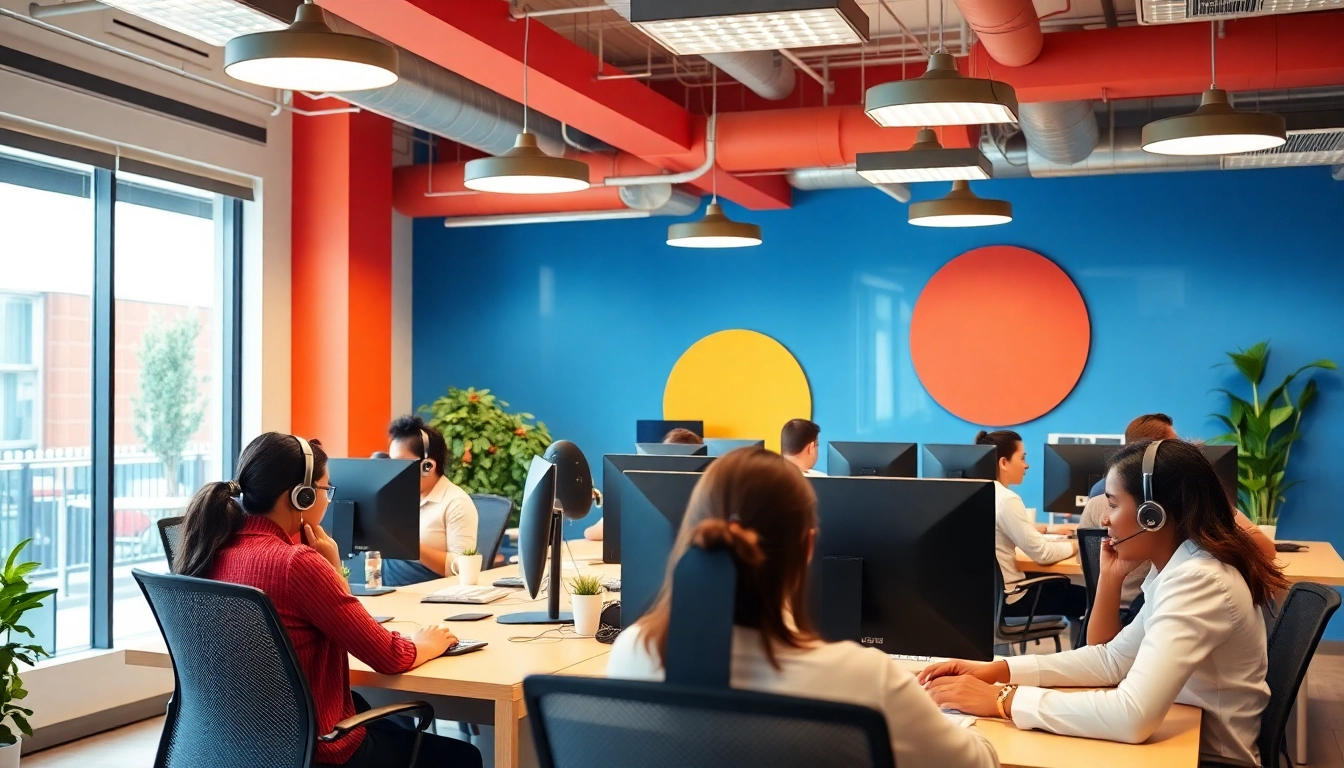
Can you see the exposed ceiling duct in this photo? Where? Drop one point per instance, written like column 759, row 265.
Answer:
column 1060, row 131
column 1009, row 30
column 842, row 178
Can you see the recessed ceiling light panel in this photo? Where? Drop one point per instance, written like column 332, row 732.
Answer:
column 927, row 160
column 213, row 21
column 697, row 27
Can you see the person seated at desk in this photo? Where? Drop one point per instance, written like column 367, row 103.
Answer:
column 758, row 507
column 679, row 436
column 1014, row 530
column 800, row 443
column 448, row 517
column 1199, row 638
column 1103, row 625
column 282, row 492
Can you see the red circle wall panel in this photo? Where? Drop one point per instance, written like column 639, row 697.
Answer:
column 1000, row 336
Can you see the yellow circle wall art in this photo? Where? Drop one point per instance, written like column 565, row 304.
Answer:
column 741, row 384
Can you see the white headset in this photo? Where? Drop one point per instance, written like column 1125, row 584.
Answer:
column 303, row 497
column 426, row 463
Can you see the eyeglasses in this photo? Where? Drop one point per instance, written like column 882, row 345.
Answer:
column 330, row 489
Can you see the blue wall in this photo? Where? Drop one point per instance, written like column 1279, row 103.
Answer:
column 581, row 323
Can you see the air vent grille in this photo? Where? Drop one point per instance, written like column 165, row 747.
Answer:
column 1308, row 148
column 1175, row 11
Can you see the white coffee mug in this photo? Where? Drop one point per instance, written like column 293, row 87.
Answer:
column 467, row 568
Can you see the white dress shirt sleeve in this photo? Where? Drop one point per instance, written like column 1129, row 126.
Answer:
column 1014, row 521
column 1149, row 662
column 461, row 523
column 921, row 736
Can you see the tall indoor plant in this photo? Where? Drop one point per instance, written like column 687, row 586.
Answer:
column 1264, row 430
column 15, row 600
column 491, row 449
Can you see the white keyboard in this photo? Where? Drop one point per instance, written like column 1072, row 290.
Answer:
column 477, row 595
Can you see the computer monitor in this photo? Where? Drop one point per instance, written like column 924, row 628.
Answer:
column 718, row 446
column 612, row 467
column 872, row 460
column 1224, row 461
column 670, row 449
column 1070, row 473
column 376, row 508
column 879, row 574
column 653, row 431
column 960, row 462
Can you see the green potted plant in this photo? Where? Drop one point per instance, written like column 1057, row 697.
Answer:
column 585, row 595
column 15, row 600
column 1264, row 430
column 467, row 566
column 491, row 448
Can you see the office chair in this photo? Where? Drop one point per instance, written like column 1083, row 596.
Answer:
column 1292, row 643
column 492, row 515
column 1089, row 556
column 1021, row 629
column 241, row 699
column 170, row 533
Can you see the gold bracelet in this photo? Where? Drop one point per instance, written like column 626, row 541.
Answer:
column 1002, row 699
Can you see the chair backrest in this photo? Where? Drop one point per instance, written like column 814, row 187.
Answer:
column 579, row 722
column 492, row 517
column 241, row 699
column 1292, row 643
column 170, row 532
column 1089, row 557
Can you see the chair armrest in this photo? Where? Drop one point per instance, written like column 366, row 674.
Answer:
column 1025, row 584
column 423, row 720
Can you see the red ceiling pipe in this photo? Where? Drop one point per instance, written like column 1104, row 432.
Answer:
column 1009, row 30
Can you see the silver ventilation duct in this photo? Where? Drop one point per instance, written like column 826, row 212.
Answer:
column 1060, row 131
column 844, row 177
column 675, row 203
column 1014, row 158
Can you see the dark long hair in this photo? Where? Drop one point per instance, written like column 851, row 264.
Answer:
column 759, row 507
column 1005, row 442
column 269, row 467
column 1185, row 484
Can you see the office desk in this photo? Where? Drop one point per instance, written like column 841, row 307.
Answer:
column 494, row 674
column 1175, row 745
column 1320, row 563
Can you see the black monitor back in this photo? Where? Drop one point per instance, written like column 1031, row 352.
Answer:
column 386, row 497
column 1224, row 461
column 613, row 466
column 671, row 449
column 872, row 460
column 718, row 446
column 652, row 507
column 960, row 462
column 653, row 431
column 1070, row 472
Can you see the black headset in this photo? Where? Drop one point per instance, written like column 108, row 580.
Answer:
column 426, row 463
column 303, row 497
column 1151, row 516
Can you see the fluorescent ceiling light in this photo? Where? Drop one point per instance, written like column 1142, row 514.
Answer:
column 716, row 230
column 960, row 208
column 508, row 219
column 309, row 56
column 941, row 96
column 697, row 27
column 1215, row 129
column 927, row 160
column 214, row 21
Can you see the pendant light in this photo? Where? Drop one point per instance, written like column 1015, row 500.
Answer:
column 941, row 96
column 310, row 56
column 525, row 169
column 960, row 208
column 715, row 230
column 1215, row 128
column 927, row 160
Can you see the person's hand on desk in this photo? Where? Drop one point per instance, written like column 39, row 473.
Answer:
column 431, row 641
column 966, row 686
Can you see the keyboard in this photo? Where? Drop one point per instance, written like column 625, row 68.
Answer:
column 612, row 585
column 903, row 657
column 513, row 582
column 465, row 646
column 469, row 595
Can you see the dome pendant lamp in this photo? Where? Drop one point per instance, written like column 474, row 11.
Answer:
column 1215, row 128
column 715, row 230
column 310, row 56
column 525, row 169
column 960, row 208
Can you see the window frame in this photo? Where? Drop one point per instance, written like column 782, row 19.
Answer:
column 36, row 366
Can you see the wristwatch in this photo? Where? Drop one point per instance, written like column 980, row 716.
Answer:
column 1002, row 699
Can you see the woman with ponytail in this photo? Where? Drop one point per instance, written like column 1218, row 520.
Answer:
column 758, row 507
column 264, row 530
column 1199, row 638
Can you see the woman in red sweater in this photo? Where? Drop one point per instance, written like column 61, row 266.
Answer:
column 252, row 541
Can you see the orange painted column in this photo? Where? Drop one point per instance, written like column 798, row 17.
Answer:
column 341, row 335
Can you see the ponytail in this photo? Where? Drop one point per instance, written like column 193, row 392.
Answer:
column 1005, row 442
column 212, row 519
column 743, row 544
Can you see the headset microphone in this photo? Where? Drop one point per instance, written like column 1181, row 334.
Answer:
column 1117, row 542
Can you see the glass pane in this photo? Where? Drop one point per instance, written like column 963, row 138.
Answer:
column 46, row 282
column 168, row 345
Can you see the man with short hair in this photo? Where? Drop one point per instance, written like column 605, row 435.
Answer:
column 800, row 443
column 448, row 517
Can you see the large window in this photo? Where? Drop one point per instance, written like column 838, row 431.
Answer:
column 79, row 243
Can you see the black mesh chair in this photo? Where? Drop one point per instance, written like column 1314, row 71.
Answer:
column 241, row 699
column 492, row 517
column 170, row 533
column 1089, row 557
column 1022, row 629
column 1292, row 643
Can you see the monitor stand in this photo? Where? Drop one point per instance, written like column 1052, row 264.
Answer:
column 552, row 614
column 841, row 615
column 359, row 590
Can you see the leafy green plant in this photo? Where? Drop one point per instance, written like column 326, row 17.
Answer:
column 168, row 410
column 1264, row 430
column 470, row 552
column 491, row 449
column 15, row 601
column 585, row 585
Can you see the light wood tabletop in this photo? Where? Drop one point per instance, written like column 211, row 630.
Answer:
column 1319, row 563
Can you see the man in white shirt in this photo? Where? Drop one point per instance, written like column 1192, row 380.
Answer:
column 800, row 443
column 448, row 517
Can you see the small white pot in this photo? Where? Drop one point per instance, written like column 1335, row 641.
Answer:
column 587, row 615
column 1269, row 531
column 9, row 756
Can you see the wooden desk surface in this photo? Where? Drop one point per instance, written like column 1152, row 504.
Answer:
column 1319, row 563
column 1175, row 745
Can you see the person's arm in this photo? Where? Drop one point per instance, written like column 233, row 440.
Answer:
column 594, row 531
column 1188, row 621
column 920, row 735
column 1018, row 526
column 1258, row 536
column 1103, row 619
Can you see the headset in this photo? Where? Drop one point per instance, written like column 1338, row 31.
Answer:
column 426, row 463
column 1151, row 516
column 303, row 497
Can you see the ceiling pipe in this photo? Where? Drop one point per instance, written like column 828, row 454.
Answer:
column 1009, row 30
column 812, row 179
column 678, row 204
column 684, row 177
column 1061, row 131
column 1013, row 157
column 64, row 9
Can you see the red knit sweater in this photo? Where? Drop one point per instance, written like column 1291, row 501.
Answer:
column 324, row 622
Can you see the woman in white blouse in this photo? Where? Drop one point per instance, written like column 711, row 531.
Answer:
column 1198, row 640
column 759, row 507
column 1014, row 529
